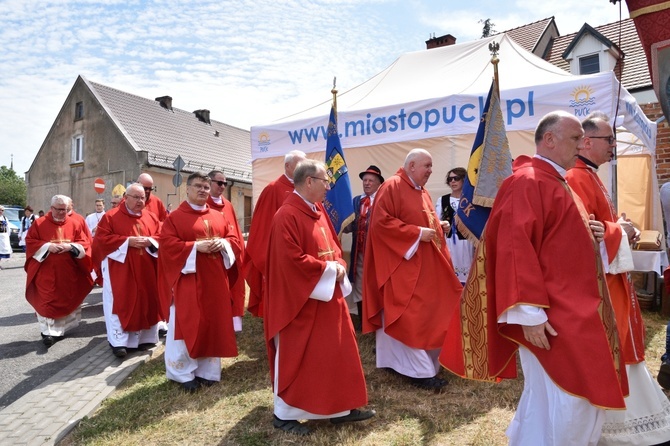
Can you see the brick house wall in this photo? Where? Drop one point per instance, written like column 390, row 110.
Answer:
column 653, row 111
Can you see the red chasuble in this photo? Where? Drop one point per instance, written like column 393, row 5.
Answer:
column 549, row 259
column 60, row 283
column 133, row 282
column 585, row 182
column 237, row 285
column 269, row 201
column 202, row 300
column 319, row 365
column 156, row 207
column 417, row 295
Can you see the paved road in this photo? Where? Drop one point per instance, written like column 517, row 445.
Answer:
column 24, row 361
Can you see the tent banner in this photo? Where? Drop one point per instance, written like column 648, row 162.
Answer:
column 452, row 115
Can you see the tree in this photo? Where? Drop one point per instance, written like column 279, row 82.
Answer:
column 12, row 188
column 487, row 29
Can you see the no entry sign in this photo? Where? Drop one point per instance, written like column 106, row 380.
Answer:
column 99, row 185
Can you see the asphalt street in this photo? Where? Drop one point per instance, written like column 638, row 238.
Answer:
column 24, row 361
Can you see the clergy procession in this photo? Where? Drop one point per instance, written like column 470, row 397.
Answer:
column 547, row 281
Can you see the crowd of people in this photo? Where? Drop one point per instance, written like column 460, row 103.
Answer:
column 552, row 271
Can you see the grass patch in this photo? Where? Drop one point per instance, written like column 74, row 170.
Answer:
column 149, row 410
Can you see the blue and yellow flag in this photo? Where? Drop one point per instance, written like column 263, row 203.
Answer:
column 490, row 163
column 338, row 202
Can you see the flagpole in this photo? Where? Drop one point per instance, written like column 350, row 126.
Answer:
column 494, row 47
column 334, row 92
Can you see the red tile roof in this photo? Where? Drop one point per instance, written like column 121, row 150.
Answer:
column 529, row 35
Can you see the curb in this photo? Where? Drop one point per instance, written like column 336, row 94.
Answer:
column 45, row 415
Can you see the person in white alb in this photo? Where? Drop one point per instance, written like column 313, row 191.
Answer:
column 93, row 219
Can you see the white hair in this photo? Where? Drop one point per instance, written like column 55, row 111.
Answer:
column 414, row 154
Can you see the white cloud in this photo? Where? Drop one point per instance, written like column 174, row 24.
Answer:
column 249, row 62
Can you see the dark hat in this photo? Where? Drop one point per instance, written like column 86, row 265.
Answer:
column 374, row 170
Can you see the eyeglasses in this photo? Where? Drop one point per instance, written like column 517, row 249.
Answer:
column 450, row 179
column 137, row 197
column 322, row 179
column 221, row 183
column 610, row 139
column 150, row 189
column 59, row 209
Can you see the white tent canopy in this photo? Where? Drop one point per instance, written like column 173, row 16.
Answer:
column 433, row 99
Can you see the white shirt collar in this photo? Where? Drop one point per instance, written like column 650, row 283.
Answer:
column 558, row 168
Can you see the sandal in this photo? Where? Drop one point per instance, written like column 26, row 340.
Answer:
column 291, row 426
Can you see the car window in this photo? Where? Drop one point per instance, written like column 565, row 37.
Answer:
column 13, row 215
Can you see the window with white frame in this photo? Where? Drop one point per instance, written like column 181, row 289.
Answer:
column 589, row 64
column 78, row 149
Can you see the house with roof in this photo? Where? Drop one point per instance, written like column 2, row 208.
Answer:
column 105, row 133
column 614, row 46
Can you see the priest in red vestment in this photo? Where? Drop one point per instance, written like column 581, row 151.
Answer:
column 410, row 288
column 198, row 254
column 153, row 203
column 125, row 249
column 58, row 251
column 537, row 287
column 315, row 366
column 218, row 202
column 267, row 204
column 646, row 400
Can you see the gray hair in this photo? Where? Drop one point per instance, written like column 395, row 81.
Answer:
column 290, row 157
column 61, row 199
column 590, row 123
column 306, row 168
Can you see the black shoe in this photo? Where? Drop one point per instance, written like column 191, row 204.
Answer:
column 146, row 346
column 433, row 383
column 663, row 377
column 191, row 386
column 205, row 382
column 48, row 340
column 119, row 352
column 162, row 333
column 354, row 415
column 291, row 426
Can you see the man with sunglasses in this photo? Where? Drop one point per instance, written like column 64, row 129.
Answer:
column 153, row 203
column 58, row 250
column 646, row 399
column 270, row 199
column 125, row 250
column 218, row 202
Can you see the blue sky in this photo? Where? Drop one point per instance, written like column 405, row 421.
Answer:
column 250, row 62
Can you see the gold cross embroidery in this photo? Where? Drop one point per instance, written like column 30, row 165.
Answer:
column 60, row 239
column 138, row 232
column 329, row 251
column 434, row 224
column 209, row 235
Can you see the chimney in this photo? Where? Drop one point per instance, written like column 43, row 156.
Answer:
column 437, row 42
column 165, row 102
column 202, row 115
